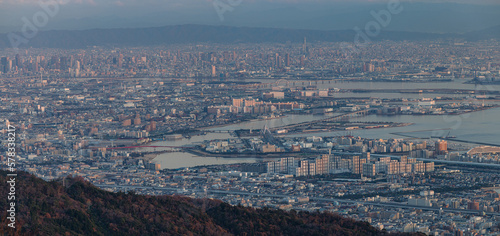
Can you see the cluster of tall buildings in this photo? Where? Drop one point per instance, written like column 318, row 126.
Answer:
column 5, row 65
column 380, row 145
column 34, row 64
column 363, row 165
column 247, row 104
column 384, row 60
column 253, row 106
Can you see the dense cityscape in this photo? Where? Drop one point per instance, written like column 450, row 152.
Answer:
column 268, row 125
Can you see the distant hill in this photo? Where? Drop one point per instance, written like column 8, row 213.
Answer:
column 211, row 34
column 489, row 33
column 457, row 16
column 79, row 208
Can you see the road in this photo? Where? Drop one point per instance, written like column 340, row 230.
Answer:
column 318, row 199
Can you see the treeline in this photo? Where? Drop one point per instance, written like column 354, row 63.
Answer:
column 75, row 207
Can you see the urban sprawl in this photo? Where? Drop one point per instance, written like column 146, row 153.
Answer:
column 292, row 112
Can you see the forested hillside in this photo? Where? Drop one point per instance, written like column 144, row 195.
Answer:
column 79, row 208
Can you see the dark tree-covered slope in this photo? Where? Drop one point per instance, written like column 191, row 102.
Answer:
column 79, row 208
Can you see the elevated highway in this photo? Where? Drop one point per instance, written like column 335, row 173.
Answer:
column 318, row 199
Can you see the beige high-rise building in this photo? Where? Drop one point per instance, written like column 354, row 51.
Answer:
column 441, row 147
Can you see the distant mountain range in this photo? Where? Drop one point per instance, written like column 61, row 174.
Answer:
column 74, row 39
column 431, row 16
column 75, row 207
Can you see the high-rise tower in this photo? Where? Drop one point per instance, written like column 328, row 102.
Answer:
column 304, row 46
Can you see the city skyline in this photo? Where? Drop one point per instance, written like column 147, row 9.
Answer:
column 258, row 117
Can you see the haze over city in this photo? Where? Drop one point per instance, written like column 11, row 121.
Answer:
column 419, row 16
column 249, row 117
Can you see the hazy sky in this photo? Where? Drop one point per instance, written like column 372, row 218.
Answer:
column 419, row 15
column 162, row 2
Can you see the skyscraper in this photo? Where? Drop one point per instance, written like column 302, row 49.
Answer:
column 356, row 167
column 441, row 147
column 277, row 60
column 322, row 165
column 4, row 62
column 19, row 64
column 64, row 63
column 304, row 46
column 213, row 71
column 473, row 206
column 120, row 61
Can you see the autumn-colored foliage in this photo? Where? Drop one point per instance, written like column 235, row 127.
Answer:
column 79, row 208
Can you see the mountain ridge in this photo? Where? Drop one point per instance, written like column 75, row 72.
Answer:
column 79, row 208
column 192, row 33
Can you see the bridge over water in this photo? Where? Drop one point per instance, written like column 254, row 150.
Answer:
column 341, row 117
column 133, row 147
